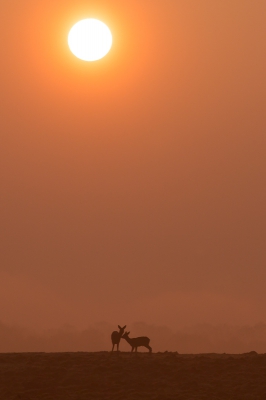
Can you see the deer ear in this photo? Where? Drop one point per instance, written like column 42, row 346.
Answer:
column 125, row 327
column 119, row 327
column 128, row 333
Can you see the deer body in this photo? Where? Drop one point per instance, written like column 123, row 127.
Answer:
column 116, row 337
column 137, row 342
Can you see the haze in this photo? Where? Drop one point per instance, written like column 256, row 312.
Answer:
column 133, row 189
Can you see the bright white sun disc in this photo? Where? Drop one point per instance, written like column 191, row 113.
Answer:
column 90, row 39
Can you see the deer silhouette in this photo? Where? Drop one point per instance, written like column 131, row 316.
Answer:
column 137, row 342
column 116, row 336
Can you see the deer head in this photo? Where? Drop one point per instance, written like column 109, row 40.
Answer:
column 121, row 330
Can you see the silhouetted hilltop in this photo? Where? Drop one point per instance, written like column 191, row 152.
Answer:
column 195, row 339
column 116, row 376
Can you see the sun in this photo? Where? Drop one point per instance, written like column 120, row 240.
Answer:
column 90, row 39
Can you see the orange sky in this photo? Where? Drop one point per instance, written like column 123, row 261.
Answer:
column 133, row 188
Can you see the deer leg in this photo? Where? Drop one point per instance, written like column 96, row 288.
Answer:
column 117, row 346
column 149, row 348
column 132, row 348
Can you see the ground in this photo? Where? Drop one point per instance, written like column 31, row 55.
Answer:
column 158, row 376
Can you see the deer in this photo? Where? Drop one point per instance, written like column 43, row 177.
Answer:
column 116, row 337
column 137, row 342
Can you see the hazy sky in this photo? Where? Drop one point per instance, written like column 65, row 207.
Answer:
column 133, row 188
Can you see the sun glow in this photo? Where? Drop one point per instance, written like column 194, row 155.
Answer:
column 90, row 39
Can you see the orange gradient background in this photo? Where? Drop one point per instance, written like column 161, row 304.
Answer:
column 133, row 188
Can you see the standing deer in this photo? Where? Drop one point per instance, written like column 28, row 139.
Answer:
column 116, row 336
column 137, row 342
